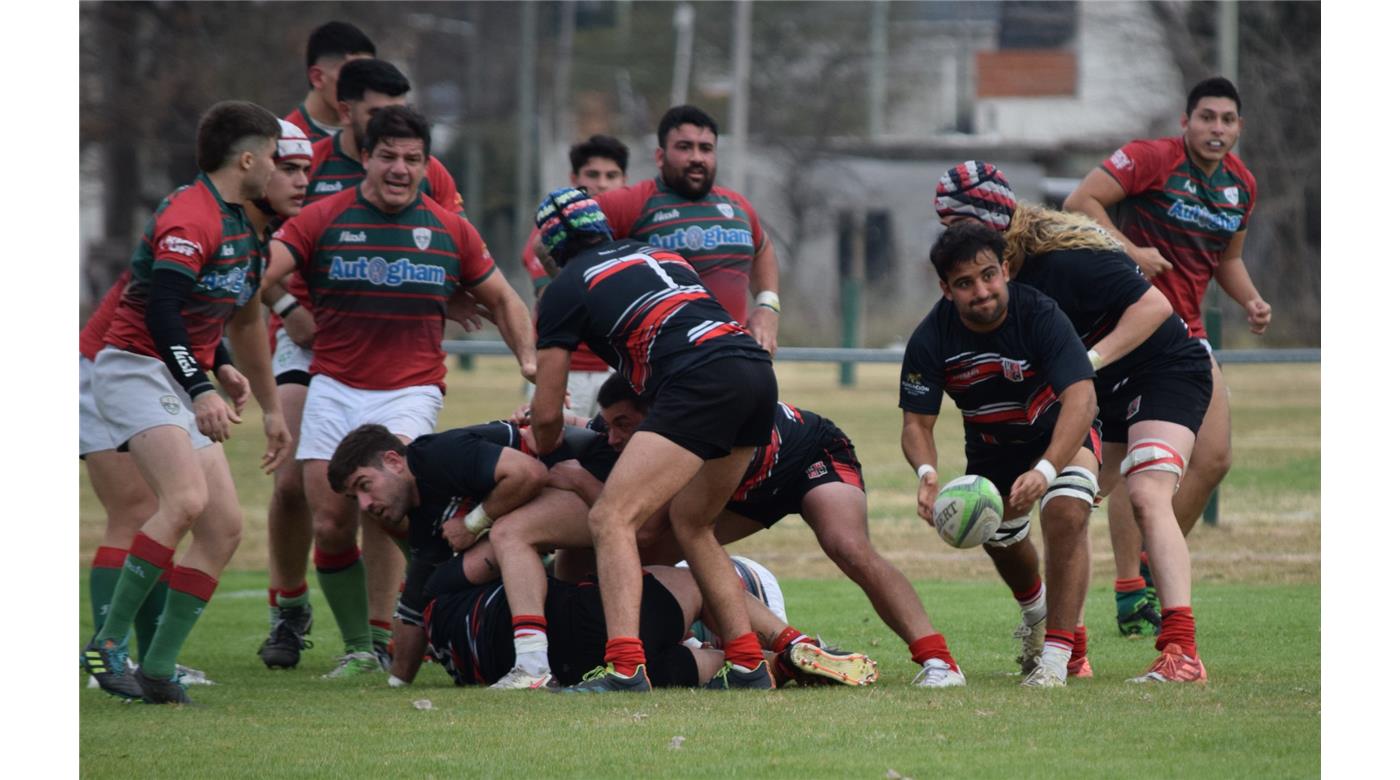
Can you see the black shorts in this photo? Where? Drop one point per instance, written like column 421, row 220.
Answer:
column 1180, row 397
column 578, row 632
column 835, row 461
column 294, row 377
column 714, row 407
column 1004, row 463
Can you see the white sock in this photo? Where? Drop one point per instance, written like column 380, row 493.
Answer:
column 1055, row 658
column 532, row 651
column 1033, row 611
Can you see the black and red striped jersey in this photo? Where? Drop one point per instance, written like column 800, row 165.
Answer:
column 641, row 309
column 799, row 439
column 1007, row 383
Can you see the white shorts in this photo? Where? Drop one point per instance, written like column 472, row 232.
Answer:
column 583, row 391
column 288, row 356
column 94, row 435
column 334, row 409
column 136, row 393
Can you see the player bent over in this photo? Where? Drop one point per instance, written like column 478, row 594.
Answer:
column 645, row 312
column 196, row 268
column 1011, row 361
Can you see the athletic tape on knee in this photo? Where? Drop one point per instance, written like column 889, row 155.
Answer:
column 1073, row 482
column 1011, row 531
column 1153, row 455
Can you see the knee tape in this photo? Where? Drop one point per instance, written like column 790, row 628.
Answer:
column 1073, row 482
column 1011, row 531
column 1153, row 455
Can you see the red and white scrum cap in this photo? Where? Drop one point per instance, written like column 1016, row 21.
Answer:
column 976, row 189
column 293, row 143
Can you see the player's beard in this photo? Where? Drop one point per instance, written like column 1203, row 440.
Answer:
column 984, row 318
column 676, row 179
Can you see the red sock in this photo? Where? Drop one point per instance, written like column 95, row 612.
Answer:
column 1142, row 556
column 625, row 653
column 1129, row 585
column 109, row 558
column 272, row 597
column 293, row 592
column 1178, row 628
column 789, row 636
column 1026, row 597
column 1063, row 639
column 744, row 650
column 931, row 646
column 525, row 623
column 1081, row 643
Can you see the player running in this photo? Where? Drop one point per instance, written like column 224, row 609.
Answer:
column 327, row 48
column 713, row 228
column 1011, row 362
column 196, row 269
column 1183, row 207
column 381, row 261
column 645, row 311
column 1153, row 382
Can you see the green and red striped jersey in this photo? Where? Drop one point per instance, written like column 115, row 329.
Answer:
column 197, row 234
column 332, row 171
column 93, row 333
column 302, row 118
column 379, row 286
column 1188, row 216
column 718, row 234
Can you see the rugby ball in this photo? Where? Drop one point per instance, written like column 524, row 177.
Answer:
column 967, row 511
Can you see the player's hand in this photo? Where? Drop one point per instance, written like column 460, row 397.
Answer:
column 1259, row 313
column 928, row 494
column 463, row 308
column 1025, row 491
column 455, row 533
column 763, row 325
column 235, row 385
column 212, row 415
column 527, row 370
column 1149, row 260
column 300, row 326
column 279, row 441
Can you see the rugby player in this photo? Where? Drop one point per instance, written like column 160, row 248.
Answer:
column 196, row 268
column 1183, row 205
column 1153, row 382
column 713, row 228
column 1011, row 362
column 645, row 312
column 808, row 467
column 378, row 352
column 327, row 48
column 599, row 165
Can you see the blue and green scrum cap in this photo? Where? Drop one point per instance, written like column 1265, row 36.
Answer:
column 568, row 213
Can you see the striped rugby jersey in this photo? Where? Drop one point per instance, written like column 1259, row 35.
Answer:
column 90, row 339
column 1188, row 216
column 302, row 118
column 196, row 233
column 718, row 234
column 379, row 286
column 799, row 439
column 1007, row 383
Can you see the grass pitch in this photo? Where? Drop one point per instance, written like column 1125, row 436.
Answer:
column 1257, row 598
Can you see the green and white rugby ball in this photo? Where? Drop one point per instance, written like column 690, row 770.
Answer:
column 967, row 511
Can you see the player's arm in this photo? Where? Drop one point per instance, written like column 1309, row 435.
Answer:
column 547, row 407
column 570, row 475
column 170, row 289
column 512, row 319
column 1078, row 405
column 296, row 320
column 763, row 283
column 1137, row 323
column 410, row 642
column 409, row 637
column 1094, row 196
column 280, row 262
column 1234, row 279
column 247, row 332
column 916, row 439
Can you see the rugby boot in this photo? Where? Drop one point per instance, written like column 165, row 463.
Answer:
column 282, row 648
column 1136, row 617
column 353, row 665
column 1042, row 677
column 1173, row 666
column 154, row 691
column 938, row 674
column 520, row 679
column 1032, row 642
column 731, row 677
column 832, row 664
column 1079, row 667
column 106, row 661
column 604, row 679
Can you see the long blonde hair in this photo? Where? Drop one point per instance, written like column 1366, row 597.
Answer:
column 1036, row 230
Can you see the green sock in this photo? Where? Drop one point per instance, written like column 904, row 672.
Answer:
column 100, row 586
column 181, row 611
column 348, row 595
column 294, row 601
column 148, row 617
column 139, row 576
column 380, row 635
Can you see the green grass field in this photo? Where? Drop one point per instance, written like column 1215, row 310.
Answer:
column 1257, row 599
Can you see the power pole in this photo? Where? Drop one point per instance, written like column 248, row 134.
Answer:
column 525, row 141
column 738, row 151
column 684, row 22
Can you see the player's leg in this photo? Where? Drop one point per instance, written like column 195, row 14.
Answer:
column 129, row 503
column 289, row 537
column 554, row 518
column 340, row 569
column 659, row 546
column 1064, row 521
column 1211, row 459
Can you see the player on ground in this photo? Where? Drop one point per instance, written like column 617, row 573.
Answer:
column 381, row 261
column 713, row 228
column 808, row 467
column 1183, row 207
column 196, row 268
column 1011, row 361
column 645, row 311
column 1153, row 382
column 599, row 165
column 328, row 48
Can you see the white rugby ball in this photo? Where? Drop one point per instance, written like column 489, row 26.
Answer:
column 967, row 511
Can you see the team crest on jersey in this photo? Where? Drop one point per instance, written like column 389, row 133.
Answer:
column 1133, row 407
column 816, row 470
column 727, row 210
column 1190, row 186
column 170, row 404
column 1121, row 160
column 1011, row 369
column 1232, row 194
column 422, row 237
